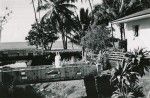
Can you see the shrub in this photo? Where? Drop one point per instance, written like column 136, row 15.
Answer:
column 124, row 78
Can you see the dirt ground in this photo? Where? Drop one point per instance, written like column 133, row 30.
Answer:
column 64, row 89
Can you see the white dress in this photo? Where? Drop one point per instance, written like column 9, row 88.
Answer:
column 57, row 61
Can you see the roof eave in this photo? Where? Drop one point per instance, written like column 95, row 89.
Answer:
column 130, row 19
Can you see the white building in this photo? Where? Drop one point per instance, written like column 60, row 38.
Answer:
column 137, row 29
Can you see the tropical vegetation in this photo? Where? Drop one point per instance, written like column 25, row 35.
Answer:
column 42, row 35
column 123, row 79
column 63, row 17
column 89, row 29
column 96, row 38
column 111, row 10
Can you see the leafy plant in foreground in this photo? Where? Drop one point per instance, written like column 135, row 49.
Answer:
column 125, row 76
column 139, row 61
column 125, row 81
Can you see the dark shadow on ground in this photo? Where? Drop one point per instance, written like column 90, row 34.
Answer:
column 19, row 92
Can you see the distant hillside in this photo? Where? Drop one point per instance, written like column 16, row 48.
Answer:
column 25, row 45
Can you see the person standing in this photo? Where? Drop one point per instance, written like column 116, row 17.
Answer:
column 57, row 60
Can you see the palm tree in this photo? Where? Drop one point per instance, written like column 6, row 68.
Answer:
column 82, row 23
column 59, row 11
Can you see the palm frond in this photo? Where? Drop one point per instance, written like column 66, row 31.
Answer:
column 69, row 5
column 43, row 7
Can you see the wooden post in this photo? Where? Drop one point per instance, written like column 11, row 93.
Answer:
column 90, row 85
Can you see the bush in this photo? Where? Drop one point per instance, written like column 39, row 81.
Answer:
column 96, row 38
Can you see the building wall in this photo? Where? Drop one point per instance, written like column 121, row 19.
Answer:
column 143, row 38
column 0, row 30
column 116, row 32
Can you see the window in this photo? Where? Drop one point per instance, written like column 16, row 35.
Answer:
column 136, row 30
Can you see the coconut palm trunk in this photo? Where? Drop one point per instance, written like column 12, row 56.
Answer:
column 90, row 3
column 34, row 11
column 51, row 45
column 122, row 31
column 39, row 4
column 64, row 40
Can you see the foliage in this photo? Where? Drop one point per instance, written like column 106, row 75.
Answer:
column 96, row 38
column 124, row 78
column 60, row 15
column 82, row 22
column 145, row 4
column 4, row 18
column 134, row 92
column 126, row 81
column 139, row 62
column 42, row 35
column 111, row 10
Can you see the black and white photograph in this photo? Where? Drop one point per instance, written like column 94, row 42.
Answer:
column 74, row 48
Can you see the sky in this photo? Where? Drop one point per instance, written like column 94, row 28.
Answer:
column 19, row 22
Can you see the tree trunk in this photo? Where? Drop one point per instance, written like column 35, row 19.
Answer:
column 45, row 47
column 39, row 11
column 122, row 31
column 90, row 4
column 51, row 45
column 112, row 35
column 64, row 40
column 34, row 12
column 122, row 5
